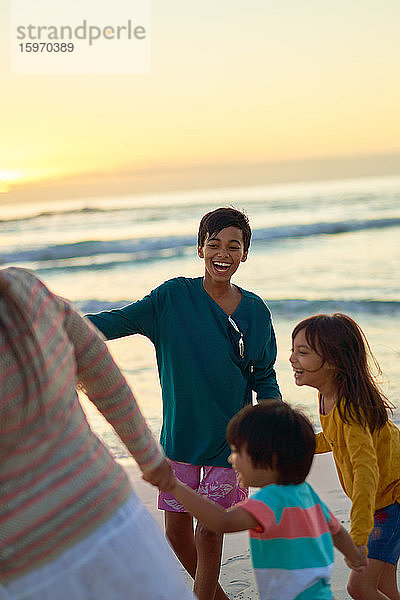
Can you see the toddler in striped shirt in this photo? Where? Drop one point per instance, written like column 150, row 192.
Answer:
column 292, row 532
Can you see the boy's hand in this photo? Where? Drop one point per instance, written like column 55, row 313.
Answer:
column 162, row 476
column 361, row 563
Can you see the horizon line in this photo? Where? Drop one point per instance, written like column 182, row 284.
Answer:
column 163, row 177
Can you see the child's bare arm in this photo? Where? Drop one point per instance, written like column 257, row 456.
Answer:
column 212, row 515
column 354, row 555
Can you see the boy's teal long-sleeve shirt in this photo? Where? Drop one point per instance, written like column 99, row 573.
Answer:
column 204, row 380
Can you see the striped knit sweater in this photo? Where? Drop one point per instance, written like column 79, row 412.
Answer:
column 58, row 482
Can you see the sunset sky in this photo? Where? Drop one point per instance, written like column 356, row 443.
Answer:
column 231, row 82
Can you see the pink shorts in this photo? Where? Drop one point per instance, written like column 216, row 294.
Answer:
column 216, row 483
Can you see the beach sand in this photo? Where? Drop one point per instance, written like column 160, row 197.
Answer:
column 237, row 577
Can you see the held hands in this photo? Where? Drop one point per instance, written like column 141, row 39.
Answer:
column 162, row 476
column 361, row 563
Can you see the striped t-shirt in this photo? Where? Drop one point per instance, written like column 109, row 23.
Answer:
column 58, row 482
column 291, row 548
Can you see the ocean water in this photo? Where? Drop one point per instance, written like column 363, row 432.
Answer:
column 316, row 247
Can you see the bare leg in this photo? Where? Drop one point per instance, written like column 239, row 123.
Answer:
column 179, row 531
column 388, row 582
column 364, row 585
column 209, row 551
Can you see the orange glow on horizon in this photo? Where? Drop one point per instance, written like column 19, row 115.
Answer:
column 11, row 179
column 283, row 82
column 8, row 177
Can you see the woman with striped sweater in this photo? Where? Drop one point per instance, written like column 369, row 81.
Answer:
column 71, row 526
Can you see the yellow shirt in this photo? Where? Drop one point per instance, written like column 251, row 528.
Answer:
column 368, row 466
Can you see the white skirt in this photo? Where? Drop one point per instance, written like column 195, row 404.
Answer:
column 127, row 558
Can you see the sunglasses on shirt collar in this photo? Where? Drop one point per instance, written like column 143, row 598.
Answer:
column 241, row 340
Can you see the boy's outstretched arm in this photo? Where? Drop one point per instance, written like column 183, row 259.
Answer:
column 355, row 556
column 213, row 516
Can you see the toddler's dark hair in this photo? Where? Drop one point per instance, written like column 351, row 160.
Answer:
column 217, row 220
column 276, row 436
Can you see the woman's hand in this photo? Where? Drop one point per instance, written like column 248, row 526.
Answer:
column 162, row 476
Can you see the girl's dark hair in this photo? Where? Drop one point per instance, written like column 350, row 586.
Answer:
column 217, row 220
column 340, row 342
column 16, row 327
column 275, row 436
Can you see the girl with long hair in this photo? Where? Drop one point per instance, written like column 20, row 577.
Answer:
column 332, row 354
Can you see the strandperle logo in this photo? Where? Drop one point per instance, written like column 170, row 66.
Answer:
column 80, row 37
column 82, row 32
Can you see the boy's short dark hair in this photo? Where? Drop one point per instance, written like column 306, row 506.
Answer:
column 276, row 436
column 215, row 221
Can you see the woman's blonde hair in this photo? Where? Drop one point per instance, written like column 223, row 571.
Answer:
column 16, row 326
